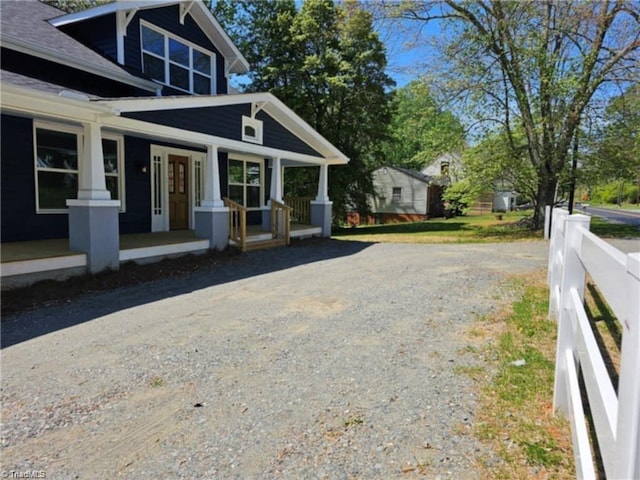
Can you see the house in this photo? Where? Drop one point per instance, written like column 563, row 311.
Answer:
column 122, row 140
column 403, row 195
column 447, row 168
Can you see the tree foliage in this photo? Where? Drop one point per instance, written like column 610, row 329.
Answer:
column 537, row 66
column 326, row 62
column 420, row 129
column 71, row 6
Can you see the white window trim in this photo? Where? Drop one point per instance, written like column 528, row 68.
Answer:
column 167, row 61
column 244, row 159
column 79, row 133
column 396, row 198
column 56, row 127
column 119, row 139
column 256, row 125
column 160, row 221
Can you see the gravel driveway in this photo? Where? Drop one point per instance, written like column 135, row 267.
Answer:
column 328, row 359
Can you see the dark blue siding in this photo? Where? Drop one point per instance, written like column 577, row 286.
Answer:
column 168, row 18
column 99, row 34
column 67, row 77
column 19, row 218
column 137, row 218
column 226, row 122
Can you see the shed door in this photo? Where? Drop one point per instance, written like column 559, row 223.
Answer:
column 178, row 184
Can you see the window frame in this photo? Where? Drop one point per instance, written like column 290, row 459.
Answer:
column 79, row 134
column 245, row 160
column 257, row 127
column 396, row 197
column 167, row 62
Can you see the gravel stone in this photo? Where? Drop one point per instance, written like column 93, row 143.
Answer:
column 325, row 360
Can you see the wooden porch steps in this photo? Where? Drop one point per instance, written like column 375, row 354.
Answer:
column 260, row 244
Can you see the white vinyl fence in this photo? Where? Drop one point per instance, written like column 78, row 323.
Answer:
column 574, row 252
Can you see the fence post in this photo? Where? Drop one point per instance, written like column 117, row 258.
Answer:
column 572, row 276
column 554, row 269
column 628, row 425
column 547, row 222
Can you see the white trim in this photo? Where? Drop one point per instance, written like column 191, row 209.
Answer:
column 251, row 159
column 168, row 62
column 24, row 267
column 86, row 202
column 161, row 250
column 272, row 106
column 119, row 139
column 53, row 127
column 201, row 15
column 36, row 50
column 257, row 127
column 161, row 222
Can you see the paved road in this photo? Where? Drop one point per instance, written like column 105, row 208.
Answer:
column 630, row 217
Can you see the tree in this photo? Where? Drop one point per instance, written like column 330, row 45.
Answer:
column 536, row 65
column 328, row 64
column 420, row 129
column 71, row 6
column 614, row 148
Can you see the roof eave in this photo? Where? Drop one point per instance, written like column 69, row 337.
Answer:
column 231, row 52
column 15, row 43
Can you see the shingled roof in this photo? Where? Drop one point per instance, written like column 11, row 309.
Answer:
column 25, row 28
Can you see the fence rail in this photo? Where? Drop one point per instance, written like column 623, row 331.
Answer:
column 237, row 223
column 280, row 221
column 575, row 252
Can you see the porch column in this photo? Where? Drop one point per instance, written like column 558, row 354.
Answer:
column 212, row 196
column 321, row 207
column 93, row 216
column 275, row 192
column 212, row 217
column 276, row 179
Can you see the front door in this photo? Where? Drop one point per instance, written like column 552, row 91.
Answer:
column 178, row 192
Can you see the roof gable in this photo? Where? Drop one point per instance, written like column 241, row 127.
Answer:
column 25, row 28
column 236, row 63
column 410, row 173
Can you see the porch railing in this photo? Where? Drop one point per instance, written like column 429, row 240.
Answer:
column 237, row 223
column 300, row 209
column 280, row 221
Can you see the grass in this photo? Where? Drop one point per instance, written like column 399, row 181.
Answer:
column 467, row 229
column 515, row 418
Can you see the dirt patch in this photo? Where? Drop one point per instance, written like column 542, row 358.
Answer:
column 47, row 293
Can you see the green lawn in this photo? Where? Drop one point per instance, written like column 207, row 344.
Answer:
column 469, row 229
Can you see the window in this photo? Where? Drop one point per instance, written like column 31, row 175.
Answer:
column 444, row 168
column 396, row 194
column 245, row 182
column 175, row 62
column 251, row 130
column 57, row 166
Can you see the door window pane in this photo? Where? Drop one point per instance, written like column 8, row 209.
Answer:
column 253, row 197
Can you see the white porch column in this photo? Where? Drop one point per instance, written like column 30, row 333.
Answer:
column 276, row 179
column 212, row 196
column 91, row 183
column 323, row 184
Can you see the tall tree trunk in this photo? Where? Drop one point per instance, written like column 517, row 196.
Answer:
column 545, row 196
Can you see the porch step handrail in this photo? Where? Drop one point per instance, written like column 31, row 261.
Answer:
column 280, row 221
column 300, row 209
column 237, row 223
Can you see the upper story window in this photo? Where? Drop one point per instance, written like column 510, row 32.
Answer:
column 396, row 194
column 444, row 168
column 176, row 62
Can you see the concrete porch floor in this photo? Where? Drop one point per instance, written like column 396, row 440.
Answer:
column 59, row 247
